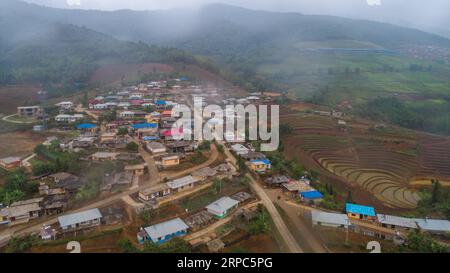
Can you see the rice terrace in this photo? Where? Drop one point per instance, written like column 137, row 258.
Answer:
column 388, row 162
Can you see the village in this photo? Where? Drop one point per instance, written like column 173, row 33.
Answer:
column 116, row 158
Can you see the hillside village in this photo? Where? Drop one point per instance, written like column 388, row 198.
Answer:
column 113, row 160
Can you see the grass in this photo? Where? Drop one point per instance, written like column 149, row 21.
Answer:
column 200, row 201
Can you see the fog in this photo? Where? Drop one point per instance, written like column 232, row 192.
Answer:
column 431, row 15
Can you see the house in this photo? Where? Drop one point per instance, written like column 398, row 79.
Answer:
column 312, row 197
column 87, row 127
column 152, row 193
column 170, row 161
column 180, row 146
column 396, row 222
column 359, row 212
column 126, row 115
column 260, row 165
column 104, row 156
column 295, row 187
column 182, row 184
column 68, row 182
column 4, row 216
column 336, row 220
column 68, row 118
column 239, row 149
column 221, row 207
column 166, row 113
column 117, row 180
column 100, row 106
column 204, row 173
column 163, row 232
column 155, row 147
column 83, row 142
column 65, row 105
column 9, row 163
column 137, row 170
column 80, row 220
column 23, row 211
column 107, row 137
column 277, row 180
column 250, row 156
column 29, row 111
column 434, row 226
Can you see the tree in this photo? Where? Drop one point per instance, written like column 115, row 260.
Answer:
column 435, row 192
column 127, row 246
column 40, row 168
column 122, row 131
column 132, row 147
column 261, row 224
column 424, row 243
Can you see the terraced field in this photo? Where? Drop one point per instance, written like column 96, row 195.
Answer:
column 367, row 163
column 434, row 157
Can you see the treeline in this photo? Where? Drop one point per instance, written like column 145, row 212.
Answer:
column 422, row 116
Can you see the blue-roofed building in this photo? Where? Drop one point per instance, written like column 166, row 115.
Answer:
column 86, row 126
column 360, row 212
column 311, row 195
column 144, row 126
column 161, row 233
column 160, row 104
column 260, row 165
column 150, row 138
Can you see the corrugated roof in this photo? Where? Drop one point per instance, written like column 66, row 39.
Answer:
column 79, row 217
column 396, row 220
column 311, row 195
column 359, row 209
column 433, row 225
column 330, row 218
column 180, row 182
column 145, row 125
column 223, row 204
column 166, row 228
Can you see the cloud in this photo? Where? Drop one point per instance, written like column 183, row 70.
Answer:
column 73, row 2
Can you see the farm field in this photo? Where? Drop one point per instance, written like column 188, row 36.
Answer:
column 385, row 163
column 12, row 96
column 19, row 143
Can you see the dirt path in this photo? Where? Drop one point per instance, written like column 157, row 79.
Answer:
column 290, row 241
column 35, row 226
column 219, row 223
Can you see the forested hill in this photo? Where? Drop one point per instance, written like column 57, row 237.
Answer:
column 33, row 49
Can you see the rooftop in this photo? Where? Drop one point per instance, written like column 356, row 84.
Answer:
column 180, row 182
column 396, row 220
column 223, row 204
column 330, row 218
column 166, row 228
column 79, row 217
column 359, row 209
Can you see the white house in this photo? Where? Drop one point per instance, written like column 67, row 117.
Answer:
column 327, row 219
column 68, row 118
column 100, row 106
column 65, row 105
column 221, row 207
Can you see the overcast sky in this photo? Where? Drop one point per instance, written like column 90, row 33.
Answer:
column 432, row 15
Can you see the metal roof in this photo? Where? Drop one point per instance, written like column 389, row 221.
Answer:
column 330, row 218
column 145, row 125
column 311, row 195
column 79, row 217
column 166, row 228
column 180, row 182
column 223, row 204
column 433, row 225
column 359, row 209
column 86, row 126
column 396, row 220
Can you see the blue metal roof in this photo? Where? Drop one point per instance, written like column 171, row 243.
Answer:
column 86, row 126
column 311, row 195
column 144, row 125
column 161, row 102
column 147, row 138
column 264, row 161
column 359, row 209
